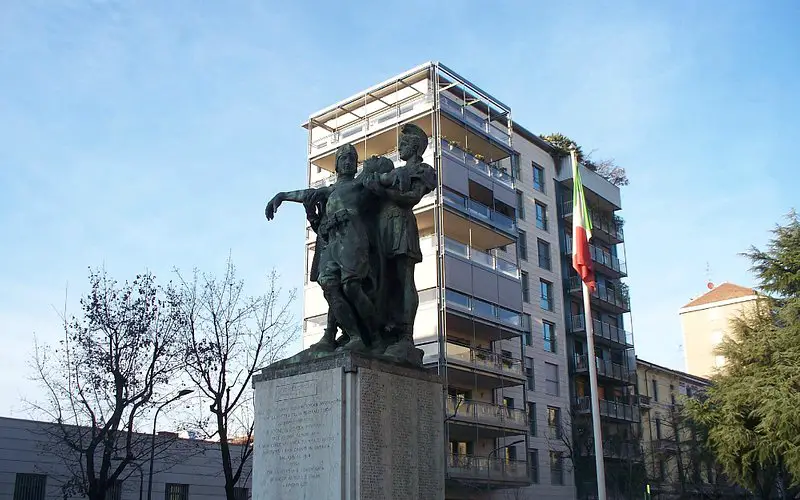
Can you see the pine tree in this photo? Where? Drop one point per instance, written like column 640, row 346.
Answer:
column 752, row 409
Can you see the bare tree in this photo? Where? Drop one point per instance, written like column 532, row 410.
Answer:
column 104, row 378
column 228, row 336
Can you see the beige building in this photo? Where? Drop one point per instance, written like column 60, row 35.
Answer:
column 705, row 321
column 675, row 463
column 491, row 317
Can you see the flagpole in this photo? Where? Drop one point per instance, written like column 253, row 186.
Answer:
column 582, row 262
column 595, row 395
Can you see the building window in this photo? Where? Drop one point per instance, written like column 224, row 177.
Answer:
column 526, row 286
column 522, row 245
column 241, row 493
column 520, row 205
column 549, row 336
column 538, row 178
column 532, row 419
column 174, row 491
column 654, row 384
column 546, row 295
column 529, row 373
column 533, row 460
column 511, row 453
column 662, row 470
column 672, row 394
column 541, row 216
column 658, row 428
column 115, row 491
column 556, row 468
column 543, row 248
column 508, row 402
column 528, row 335
column 29, row 486
column 551, row 379
column 554, row 421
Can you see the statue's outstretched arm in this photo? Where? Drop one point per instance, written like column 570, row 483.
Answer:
column 300, row 196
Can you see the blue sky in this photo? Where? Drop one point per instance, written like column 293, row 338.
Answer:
column 147, row 135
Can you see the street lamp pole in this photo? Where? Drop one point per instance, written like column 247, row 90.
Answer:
column 181, row 394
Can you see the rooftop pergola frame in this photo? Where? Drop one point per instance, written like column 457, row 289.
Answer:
column 470, row 95
column 333, row 118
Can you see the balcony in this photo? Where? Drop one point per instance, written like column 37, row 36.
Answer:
column 644, row 401
column 606, row 263
column 475, row 120
column 453, row 152
column 479, row 211
column 458, row 302
column 465, row 364
column 612, row 299
column 665, row 446
column 609, row 409
column 483, row 259
column 602, row 330
column 487, row 469
column 604, row 227
column 605, row 369
column 612, row 448
column 482, row 413
column 401, row 111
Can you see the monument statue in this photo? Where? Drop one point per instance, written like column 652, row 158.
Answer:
column 366, row 249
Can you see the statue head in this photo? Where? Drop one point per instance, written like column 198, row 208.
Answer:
column 346, row 160
column 378, row 165
column 413, row 141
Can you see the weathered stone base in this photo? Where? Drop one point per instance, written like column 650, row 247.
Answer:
column 348, row 427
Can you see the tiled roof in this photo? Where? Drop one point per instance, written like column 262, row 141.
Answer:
column 725, row 291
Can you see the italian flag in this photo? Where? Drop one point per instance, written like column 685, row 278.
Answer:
column 581, row 229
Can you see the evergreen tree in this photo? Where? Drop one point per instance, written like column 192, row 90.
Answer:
column 752, row 409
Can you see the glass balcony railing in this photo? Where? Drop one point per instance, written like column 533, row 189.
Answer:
column 479, row 211
column 483, row 259
column 609, row 225
column 605, row 368
column 603, row 293
column 486, row 413
column 611, row 409
column 377, row 121
column 486, row 468
column 459, row 155
column 603, row 330
column 477, row 121
column 483, row 359
column 459, row 301
column 601, row 256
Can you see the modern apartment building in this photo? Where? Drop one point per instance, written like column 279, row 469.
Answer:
column 677, row 465
column 614, row 350
column 492, row 318
column 706, row 321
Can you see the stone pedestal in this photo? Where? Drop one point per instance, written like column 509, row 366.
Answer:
column 348, row 427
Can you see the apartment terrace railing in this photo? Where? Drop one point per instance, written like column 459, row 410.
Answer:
column 665, row 446
column 644, row 401
column 605, row 368
column 487, row 469
column 475, row 120
column 612, row 226
column 611, row 409
column 602, row 257
column 479, row 211
column 483, row 359
column 603, row 330
column 379, row 120
column 602, row 293
column 612, row 448
column 483, row 259
column 471, row 305
column 457, row 154
column 480, row 412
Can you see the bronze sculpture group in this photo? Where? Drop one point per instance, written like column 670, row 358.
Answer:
column 366, row 249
